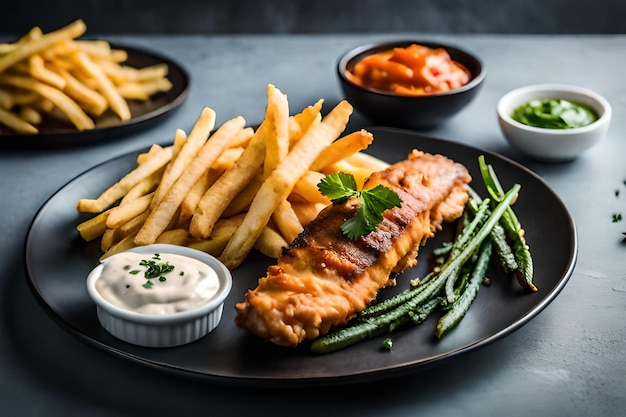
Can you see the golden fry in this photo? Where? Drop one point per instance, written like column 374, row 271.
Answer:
column 222, row 192
column 367, row 161
column 142, row 91
column 286, row 220
column 16, row 123
column 105, row 85
column 94, row 227
column 174, row 237
column 342, row 148
column 92, row 101
column 189, row 147
column 39, row 71
column 40, row 43
column 277, row 130
column 303, row 121
column 306, row 187
column 122, row 214
column 190, row 202
column 119, row 189
column 270, row 243
column 68, row 106
column 242, row 200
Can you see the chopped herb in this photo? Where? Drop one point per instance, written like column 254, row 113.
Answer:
column 372, row 202
column 154, row 270
column 616, row 193
column 387, row 343
column 617, row 217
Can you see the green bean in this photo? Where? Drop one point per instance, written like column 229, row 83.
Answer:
column 469, row 230
column 396, row 300
column 459, row 308
column 512, row 226
column 502, row 249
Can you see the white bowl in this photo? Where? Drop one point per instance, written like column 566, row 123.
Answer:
column 553, row 145
column 163, row 330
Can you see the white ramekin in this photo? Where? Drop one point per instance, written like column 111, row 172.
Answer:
column 166, row 330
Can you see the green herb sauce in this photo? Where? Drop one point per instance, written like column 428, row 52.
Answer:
column 554, row 114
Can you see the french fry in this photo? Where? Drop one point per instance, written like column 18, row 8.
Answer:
column 130, row 228
column 222, row 192
column 122, row 214
column 16, row 123
column 367, row 161
column 242, row 139
column 39, row 71
column 221, row 233
column 143, row 157
column 359, row 173
column 94, row 227
column 287, row 221
column 164, row 212
column 174, row 237
column 33, row 33
column 277, row 129
column 93, row 102
column 342, row 148
column 280, row 183
column 40, row 43
column 227, row 159
column 270, row 243
column 108, row 239
column 146, row 186
column 308, row 117
column 105, row 85
column 121, row 246
column 242, row 200
column 189, row 147
column 142, row 91
column 30, row 115
column 307, row 211
column 68, row 106
column 119, row 189
column 180, row 137
column 306, row 188
column 190, row 202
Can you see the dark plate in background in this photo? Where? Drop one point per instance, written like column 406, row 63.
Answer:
column 229, row 355
column 108, row 126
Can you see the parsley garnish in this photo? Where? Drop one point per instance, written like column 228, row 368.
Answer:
column 617, row 217
column 372, row 202
column 154, row 269
column 387, row 343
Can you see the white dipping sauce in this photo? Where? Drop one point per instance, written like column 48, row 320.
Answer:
column 189, row 285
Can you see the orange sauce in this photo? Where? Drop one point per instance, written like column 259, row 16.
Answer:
column 410, row 71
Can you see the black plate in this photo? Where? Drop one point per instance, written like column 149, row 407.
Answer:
column 229, row 355
column 108, row 126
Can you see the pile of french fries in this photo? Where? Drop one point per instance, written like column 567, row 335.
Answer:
column 230, row 190
column 55, row 75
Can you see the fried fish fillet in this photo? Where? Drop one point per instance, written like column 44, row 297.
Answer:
column 323, row 279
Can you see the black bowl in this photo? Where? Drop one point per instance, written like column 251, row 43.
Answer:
column 412, row 112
